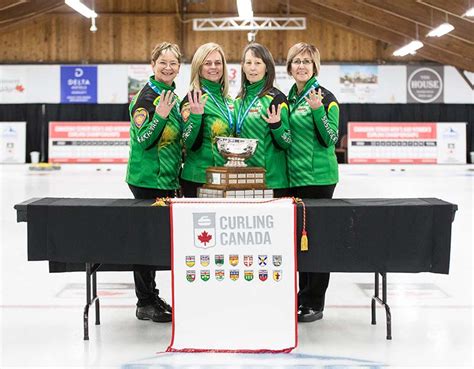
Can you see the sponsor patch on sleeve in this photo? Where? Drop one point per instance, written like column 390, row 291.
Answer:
column 185, row 112
column 140, row 116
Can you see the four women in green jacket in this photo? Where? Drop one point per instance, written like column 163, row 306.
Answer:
column 297, row 136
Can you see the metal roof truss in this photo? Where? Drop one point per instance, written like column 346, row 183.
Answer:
column 256, row 23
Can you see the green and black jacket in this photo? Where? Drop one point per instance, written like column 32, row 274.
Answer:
column 201, row 130
column 311, row 157
column 155, row 143
column 273, row 140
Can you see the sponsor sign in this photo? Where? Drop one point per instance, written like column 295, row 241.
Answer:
column 406, row 143
column 12, row 142
column 425, row 84
column 89, row 142
column 358, row 83
column 78, row 84
column 250, row 267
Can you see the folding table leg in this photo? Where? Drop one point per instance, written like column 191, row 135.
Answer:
column 382, row 302
column 91, row 297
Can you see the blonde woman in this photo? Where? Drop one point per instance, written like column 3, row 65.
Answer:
column 207, row 112
column 312, row 163
column 155, row 159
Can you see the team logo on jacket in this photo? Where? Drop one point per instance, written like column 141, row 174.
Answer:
column 262, row 260
column 248, row 260
column 262, row 275
column 205, row 275
column 190, row 261
column 204, row 230
column 219, row 259
column 277, row 275
column 220, row 274
column 190, row 275
column 139, row 117
column 205, row 260
column 248, row 275
column 234, row 274
column 233, row 260
column 277, row 260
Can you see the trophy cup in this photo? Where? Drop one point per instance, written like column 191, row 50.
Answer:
column 235, row 178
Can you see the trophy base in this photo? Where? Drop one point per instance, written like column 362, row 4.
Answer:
column 235, row 178
column 234, row 194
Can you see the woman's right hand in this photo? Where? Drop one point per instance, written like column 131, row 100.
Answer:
column 197, row 102
column 167, row 101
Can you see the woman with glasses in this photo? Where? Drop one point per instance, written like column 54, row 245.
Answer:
column 155, row 159
column 312, row 164
column 261, row 112
column 207, row 113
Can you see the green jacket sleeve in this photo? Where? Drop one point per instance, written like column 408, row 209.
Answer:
column 281, row 131
column 326, row 121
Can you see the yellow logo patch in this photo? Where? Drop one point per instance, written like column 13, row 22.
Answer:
column 140, row 116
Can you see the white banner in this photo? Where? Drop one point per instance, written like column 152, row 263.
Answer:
column 234, row 275
column 12, row 142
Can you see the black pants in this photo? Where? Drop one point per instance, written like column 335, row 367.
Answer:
column 313, row 286
column 188, row 188
column 144, row 275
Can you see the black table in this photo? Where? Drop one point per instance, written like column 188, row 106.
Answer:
column 345, row 235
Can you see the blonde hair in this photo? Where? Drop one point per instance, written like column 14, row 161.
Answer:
column 199, row 58
column 162, row 47
column 302, row 47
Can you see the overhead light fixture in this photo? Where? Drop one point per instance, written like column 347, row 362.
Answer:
column 244, row 7
column 441, row 30
column 469, row 13
column 93, row 26
column 81, row 8
column 409, row 48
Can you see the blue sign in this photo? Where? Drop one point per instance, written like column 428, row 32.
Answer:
column 78, row 84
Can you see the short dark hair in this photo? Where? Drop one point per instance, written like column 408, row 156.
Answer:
column 263, row 53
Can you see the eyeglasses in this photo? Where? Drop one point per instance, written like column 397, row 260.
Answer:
column 305, row 62
column 164, row 64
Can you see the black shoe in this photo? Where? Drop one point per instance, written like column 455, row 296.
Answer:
column 162, row 303
column 307, row 314
column 153, row 312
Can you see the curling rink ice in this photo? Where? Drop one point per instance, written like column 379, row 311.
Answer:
column 41, row 313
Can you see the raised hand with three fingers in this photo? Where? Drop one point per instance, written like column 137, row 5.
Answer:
column 167, row 102
column 273, row 114
column 315, row 100
column 197, row 101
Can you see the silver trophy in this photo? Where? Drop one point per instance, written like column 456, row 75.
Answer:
column 236, row 150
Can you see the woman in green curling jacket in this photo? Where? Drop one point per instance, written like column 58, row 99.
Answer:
column 155, row 159
column 312, row 164
column 261, row 112
column 207, row 113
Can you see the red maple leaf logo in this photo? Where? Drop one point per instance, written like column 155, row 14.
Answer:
column 19, row 88
column 204, row 237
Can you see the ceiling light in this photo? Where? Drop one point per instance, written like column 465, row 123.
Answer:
column 469, row 13
column 441, row 30
column 81, row 8
column 409, row 48
column 244, row 8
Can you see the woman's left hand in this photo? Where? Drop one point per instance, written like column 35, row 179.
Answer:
column 315, row 100
column 273, row 115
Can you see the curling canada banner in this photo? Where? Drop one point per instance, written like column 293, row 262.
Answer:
column 233, row 275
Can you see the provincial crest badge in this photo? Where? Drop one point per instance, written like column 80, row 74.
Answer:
column 262, row 275
column 234, row 274
column 204, row 230
column 277, row 275
column 248, row 275
column 233, row 260
column 277, row 260
column 262, row 260
column 248, row 260
column 205, row 275
column 219, row 259
column 190, row 275
column 220, row 274
column 190, row 261
column 139, row 117
column 204, row 260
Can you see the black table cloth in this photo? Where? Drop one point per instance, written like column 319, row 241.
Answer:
column 345, row 235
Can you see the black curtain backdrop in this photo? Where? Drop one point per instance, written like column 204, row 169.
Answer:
column 38, row 116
